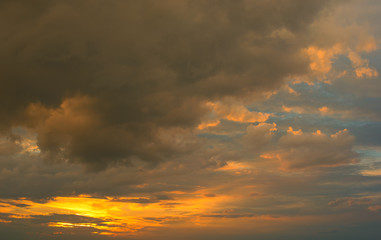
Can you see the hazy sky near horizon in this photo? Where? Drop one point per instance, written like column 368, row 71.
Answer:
column 191, row 119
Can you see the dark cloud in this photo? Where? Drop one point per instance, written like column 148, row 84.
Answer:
column 28, row 176
column 20, row 205
column 228, row 215
column 103, row 81
column 303, row 150
column 37, row 227
column 138, row 200
column 70, row 218
column 349, row 202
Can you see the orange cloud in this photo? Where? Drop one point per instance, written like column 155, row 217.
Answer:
column 321, row 59
column 233, row 112
column 115, row 216
column 212, row 123
column 361, row 66
column 366, row 72
column 293, row 132
column 238, row 113
column 238, row 168
column 376, row 172
column 367, row 44
column 324, row 110
column 375, row 208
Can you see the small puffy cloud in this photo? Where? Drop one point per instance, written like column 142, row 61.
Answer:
column 322, row 59
column 237, row 168
column 324, row 111
column 329, row 111
column 239, row 113
column 366, row 72
column 232, row 111
column 295, row 109
column 361, row 66
column 350, row 40
column 299, row 132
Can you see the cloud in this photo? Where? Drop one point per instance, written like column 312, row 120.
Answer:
column 298, row 150
column 185, row 107
column 232, row 111
column 376, row 172
column 322, row 59
column 350, row 202
column 9, row 147
column 98, row 81
column 375, row 208
column 259, row 136
column 238, row 113
column 361, row 66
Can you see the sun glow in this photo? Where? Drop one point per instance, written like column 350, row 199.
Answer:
column 114, row 216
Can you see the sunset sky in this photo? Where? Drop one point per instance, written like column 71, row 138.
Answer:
column 190, row 119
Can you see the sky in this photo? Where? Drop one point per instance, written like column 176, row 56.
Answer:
column 190, row 119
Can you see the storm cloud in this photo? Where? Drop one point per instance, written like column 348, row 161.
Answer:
column 103, row 82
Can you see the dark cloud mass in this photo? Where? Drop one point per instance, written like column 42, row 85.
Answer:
column 108, row 81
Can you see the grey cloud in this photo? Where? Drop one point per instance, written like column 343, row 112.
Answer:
column 70, row 218
column 259, row 137
column 37, row 227
column 138, row 200
column 308, row 150
column 349, row 202
column 28, row 176
column 20, row 205
column 101, row 81
column 228, row 215
column 8, row 148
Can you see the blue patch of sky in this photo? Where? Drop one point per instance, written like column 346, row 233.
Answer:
column 312, row 97
column 372, row 153
column 374, row 58
column 341, row 63
column 368, row 134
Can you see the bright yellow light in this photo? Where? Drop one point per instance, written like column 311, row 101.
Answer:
column 117, row 216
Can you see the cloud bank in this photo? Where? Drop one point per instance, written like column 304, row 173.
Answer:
column 100, row 81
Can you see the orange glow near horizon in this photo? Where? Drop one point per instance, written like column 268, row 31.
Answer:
column 109, row 216
column 116, row 217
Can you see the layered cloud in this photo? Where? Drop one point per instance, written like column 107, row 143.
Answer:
column 211, row 119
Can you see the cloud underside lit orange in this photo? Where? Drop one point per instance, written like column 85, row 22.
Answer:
column 119, row 217
column 190, row 119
